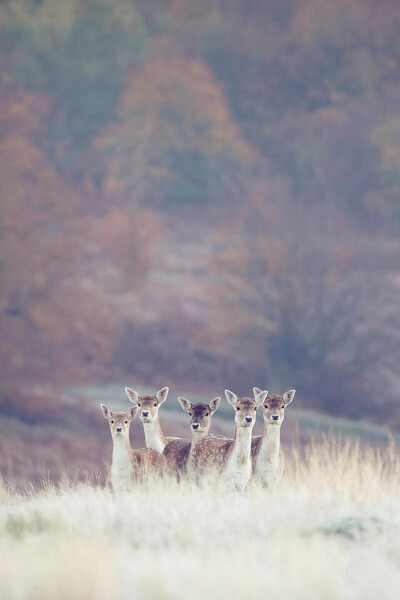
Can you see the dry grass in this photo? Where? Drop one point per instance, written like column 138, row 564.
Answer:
column 330, row 530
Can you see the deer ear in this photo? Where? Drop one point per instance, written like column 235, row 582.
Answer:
column 231, row 397
column 214, row 404
column 132, row 395
column 106, row 411
column 162, row 394
column 131, row 413
column 256, row 391
column 260, row 397
column 288, row 396
column 185, row 404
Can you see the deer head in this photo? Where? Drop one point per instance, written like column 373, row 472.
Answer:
column 245, row 409
column 200, row 413
column 147, row 405
column 119, row 421
column 274, row 405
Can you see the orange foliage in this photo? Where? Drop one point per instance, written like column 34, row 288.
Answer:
column 48, row 314
column 170, row 110
column 129, row 240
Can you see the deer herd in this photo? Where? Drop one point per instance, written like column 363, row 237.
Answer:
column 236, row 460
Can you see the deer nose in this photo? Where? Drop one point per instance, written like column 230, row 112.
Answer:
column 145, row 413
column 195, row 425
column 248, row 419
column 275, row 417
column 118, row 429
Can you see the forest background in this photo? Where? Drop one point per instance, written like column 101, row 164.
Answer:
column 203, row 195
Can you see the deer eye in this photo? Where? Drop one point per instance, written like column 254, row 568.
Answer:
column 238, row 408
column 138, row 403
column 126, row 422
column 265, row 405
column 155, row 404
column 112, row 420
column 207, row 414
column 283, row 406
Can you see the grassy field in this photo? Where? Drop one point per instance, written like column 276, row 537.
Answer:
column 330, row 529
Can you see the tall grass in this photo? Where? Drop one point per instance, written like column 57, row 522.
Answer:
column 329, row 530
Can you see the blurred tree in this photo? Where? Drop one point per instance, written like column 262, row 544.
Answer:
column 155, row 14
column 384, row 201
column 174, row 141
column 331, row 168
column 299, row 302
column 307, row 87
column 49, row 311
column 129, row 241
column 93, row 146
column 77, row 52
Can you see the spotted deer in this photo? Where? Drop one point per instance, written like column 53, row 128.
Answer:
column 148, row 407
column 231, row 457
column 171, row 447
column 127, row 465
column 179, row 454
column 267, row 455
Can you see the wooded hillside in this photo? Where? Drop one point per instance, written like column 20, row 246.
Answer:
column 202, row 193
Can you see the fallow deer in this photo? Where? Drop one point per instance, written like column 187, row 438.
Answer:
column 179, row 453
column 129, row 465
column 155, row 439
column 267, row 455
column 148, row 412
column 231, row 457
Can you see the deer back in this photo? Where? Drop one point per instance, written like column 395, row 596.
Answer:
column 147, row 462
column 176, row 453
column 211, row 452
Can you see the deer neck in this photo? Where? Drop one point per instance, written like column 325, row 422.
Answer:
column 270, row 443
column 196, row 437
column 121, row 457
column 199, row 435
column 241, row 447
column 154, row 436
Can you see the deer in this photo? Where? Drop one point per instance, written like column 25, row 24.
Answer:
column 267, row 455
column 128, row 465
column 231, row 457
column 174, row 449
column 179, row 454
column 148, row 412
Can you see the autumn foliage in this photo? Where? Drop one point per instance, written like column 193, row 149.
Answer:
column 203, row 193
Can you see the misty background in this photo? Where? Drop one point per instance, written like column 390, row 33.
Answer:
column 204, row 195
